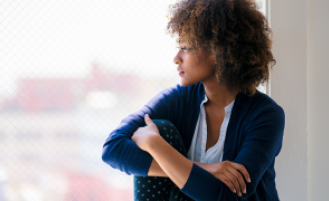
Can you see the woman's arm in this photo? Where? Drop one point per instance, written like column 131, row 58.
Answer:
column 177, row 167
column 263, row 142
column 174, row 164
column 155, row 170
column 221, row 170
column 122, row 153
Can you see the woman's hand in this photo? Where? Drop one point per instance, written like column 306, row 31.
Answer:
column 143, row 135
column 230, row 174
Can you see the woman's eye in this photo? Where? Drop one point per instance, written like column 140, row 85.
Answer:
column 185, row 49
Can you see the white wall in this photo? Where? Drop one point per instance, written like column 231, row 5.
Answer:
column 289, row 89
column 318, row 99
column 299, row 83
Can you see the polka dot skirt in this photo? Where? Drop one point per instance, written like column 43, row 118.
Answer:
column 159, row 188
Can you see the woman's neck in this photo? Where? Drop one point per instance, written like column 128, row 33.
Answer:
column 218, row 95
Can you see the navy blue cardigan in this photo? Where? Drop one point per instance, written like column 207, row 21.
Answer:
column 253, row 139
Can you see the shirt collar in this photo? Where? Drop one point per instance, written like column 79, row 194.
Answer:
column 228, row 108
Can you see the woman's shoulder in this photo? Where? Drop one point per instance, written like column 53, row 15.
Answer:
column 260, row 105
column 182, row 91
column 258, row 100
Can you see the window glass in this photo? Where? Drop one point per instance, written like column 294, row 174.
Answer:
column 70, row 71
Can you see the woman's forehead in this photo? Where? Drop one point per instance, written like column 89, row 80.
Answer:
column 181, row 39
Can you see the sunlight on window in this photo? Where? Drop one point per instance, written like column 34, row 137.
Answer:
column 70, row 71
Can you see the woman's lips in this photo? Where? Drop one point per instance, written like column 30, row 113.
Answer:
column 180, row 72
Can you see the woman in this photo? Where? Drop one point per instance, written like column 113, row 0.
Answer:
column 215, row 137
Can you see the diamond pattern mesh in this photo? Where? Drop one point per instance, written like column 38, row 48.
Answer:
column 70, row 71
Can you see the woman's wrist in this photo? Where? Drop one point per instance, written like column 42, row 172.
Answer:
column 205, row 166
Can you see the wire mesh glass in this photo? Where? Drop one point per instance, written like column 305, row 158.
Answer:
column 70, row 71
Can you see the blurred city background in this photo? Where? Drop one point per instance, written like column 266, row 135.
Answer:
column 70, row 71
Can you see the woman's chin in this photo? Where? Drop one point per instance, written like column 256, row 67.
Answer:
column 186, row 84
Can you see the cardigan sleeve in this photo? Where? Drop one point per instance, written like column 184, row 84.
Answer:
column 120, row 152
column 262, row 144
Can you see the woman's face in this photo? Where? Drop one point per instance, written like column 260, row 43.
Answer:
column 194, row 65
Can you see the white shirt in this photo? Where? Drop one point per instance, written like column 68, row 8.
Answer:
column 197, row 151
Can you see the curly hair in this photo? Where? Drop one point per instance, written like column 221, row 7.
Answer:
column 235, row 31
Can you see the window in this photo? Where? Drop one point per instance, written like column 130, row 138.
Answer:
column 70, row 71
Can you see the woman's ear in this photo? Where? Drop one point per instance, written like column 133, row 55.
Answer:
column 213, row 56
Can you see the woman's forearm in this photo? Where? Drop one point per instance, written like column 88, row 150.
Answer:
column 171, row 162
column 167, row 161
column 156, row 171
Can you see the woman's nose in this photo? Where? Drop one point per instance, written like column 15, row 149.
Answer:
column 177, row 59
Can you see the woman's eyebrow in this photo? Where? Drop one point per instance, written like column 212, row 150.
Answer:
column 182, row 42
column 179, row 40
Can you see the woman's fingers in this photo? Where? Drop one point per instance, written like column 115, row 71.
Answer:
column 231, row 174
column 234, row 181
column 243, row 170
column 238, row 176
column 148, row 120
column 223, row 178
